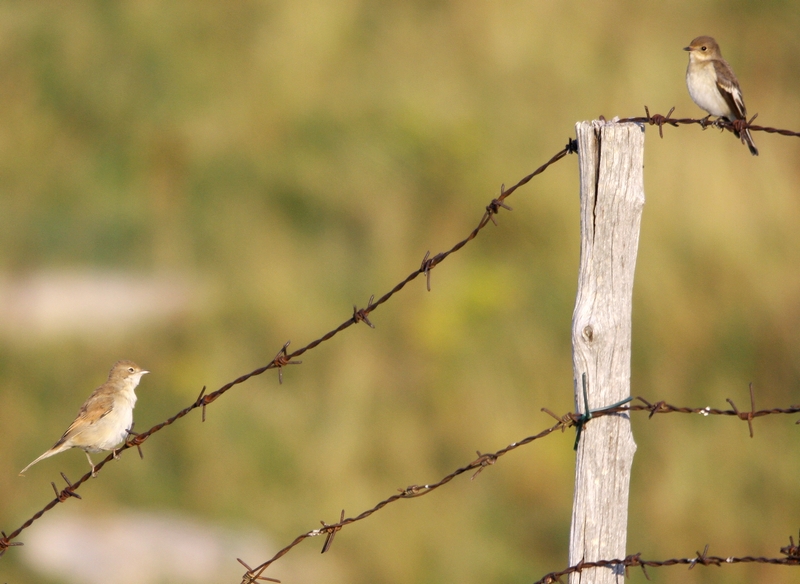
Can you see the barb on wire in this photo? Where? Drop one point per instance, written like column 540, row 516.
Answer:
column 428, row 264
column 6, row 543
column 572, row 146
column 746, row 415
column 250, row 577
column 791, row 550
column 636, row 561
column 362, row 315
column 483, row 461
column 493, row 208
column 331, row 529
column 284, row 358
column 200, row 403
column 66, row 493
column 134, row 442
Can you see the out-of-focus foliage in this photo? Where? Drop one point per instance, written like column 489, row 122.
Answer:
column 282, row 161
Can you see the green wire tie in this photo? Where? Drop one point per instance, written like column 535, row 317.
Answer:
column 579, row 423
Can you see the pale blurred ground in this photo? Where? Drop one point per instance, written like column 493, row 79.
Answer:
column 136, row 548
column 192, row 184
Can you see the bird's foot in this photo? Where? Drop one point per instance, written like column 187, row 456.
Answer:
column 719, row 123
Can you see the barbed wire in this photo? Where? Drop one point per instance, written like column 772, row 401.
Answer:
column 568, row 420
column 791, row 553
column 283, row 358
column 738, row 125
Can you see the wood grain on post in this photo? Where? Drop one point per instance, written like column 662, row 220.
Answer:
column 612, row 196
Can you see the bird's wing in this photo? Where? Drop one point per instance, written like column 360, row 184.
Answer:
column 729, row 88
column 98, row 406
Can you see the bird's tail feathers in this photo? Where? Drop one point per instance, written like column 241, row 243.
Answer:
column 748, row 139
column 61, row 447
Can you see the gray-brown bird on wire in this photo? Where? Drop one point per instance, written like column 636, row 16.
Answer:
column 714, row 87
column 105, row 418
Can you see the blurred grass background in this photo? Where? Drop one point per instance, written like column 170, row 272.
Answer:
column 269, row 164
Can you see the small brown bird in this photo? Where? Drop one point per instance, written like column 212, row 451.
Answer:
column 105, row 418
column 714, row 87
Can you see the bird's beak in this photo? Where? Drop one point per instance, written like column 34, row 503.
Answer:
column 687, row 48
column 145, row 372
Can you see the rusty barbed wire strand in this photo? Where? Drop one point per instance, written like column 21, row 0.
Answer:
column 739, row 125
column 791, row 552
column 568, row 420
column 283, row 358
column 408, row 492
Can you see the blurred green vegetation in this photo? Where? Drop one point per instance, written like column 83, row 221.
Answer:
column 294, row 158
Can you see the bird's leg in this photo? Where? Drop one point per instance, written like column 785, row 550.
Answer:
column 94, row 473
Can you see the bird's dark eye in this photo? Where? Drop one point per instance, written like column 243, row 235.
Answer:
column 130, row 369
column 703, row 48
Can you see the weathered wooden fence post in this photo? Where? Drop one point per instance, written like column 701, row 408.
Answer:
column 612, row 196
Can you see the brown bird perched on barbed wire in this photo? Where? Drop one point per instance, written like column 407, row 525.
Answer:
column 714, row 87
column 105, row 419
